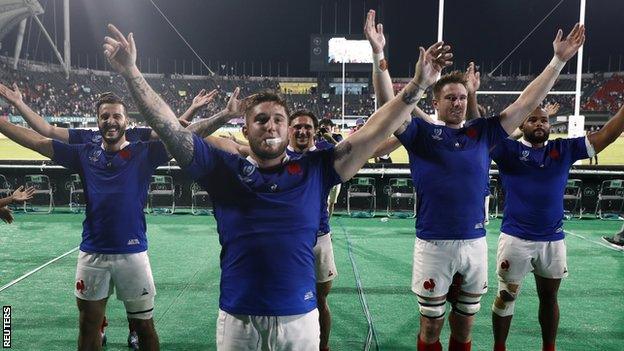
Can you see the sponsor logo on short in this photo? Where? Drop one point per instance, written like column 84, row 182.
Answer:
column 505, row 265
column 429, row 285
column 145, row 292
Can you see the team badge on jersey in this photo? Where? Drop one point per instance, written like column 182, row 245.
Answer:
column 525, row 155
column 294, row 168
column 429, row 285
column 472, row 132
column 437, row 134
column 125, row 154
column 554, row 154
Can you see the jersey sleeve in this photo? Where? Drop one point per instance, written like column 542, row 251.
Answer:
column 495, row 133
column 580, row 148
column 67, row 155
column 409, row 135
column 204, row 158
column 158, row 154
column 79, row 136
column 326, row 159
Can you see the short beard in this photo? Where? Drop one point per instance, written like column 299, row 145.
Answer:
column 531, row 138
column 111, row 141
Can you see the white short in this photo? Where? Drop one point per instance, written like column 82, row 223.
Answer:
column 333, row 194
column 436, row 261
column 99, row 275
column 283, row 333
column 324, row 259
column 516, row 257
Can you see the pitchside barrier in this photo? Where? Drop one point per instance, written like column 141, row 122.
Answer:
column 591, row 180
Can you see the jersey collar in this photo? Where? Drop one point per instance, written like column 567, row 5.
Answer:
column 526, row 143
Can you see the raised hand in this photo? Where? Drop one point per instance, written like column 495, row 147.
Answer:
column 566, row 48
column 235, row 107
column 20, row 194
column 6, row 215
column 373, row 33
column 12, row 96
column 552, row 108
column 203, row 98
column 120, row 51
column 431, row 62
column 473, row 78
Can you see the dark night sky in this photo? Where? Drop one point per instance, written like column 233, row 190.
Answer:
column 279, row 30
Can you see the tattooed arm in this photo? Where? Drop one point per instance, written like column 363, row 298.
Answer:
column 121, row 53
column 234, row 108
column 351, row 154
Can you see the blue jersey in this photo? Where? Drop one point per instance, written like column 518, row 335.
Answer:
column 84, row 136
column 534, row 181
column 449, row 168
column 115, row 188
column 267, row 222
column 324, row 227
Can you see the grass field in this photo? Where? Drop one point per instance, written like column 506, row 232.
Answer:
column 613, row 155
column 184, row 252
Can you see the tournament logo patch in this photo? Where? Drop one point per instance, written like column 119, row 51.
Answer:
column 294, row 168
column 248, row 170
column 80, row 286
column 505, row 265
column 472, row 132
column 525, row 155
column 429, row 285
column 554, row 154
column 437, row 134
column 95, row 155
column 96, row 139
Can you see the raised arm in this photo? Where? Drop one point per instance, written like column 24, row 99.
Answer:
column 121, row 54
column 202, row 99
column 609, row 133
column 35, row 121
column 387, row 146
column 351, row 154
column 27, row 138
column 534, row 93
column 234, row 108
column 382, row 82
column 473, row 81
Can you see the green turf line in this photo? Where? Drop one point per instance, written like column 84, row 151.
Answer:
column 371, row 334
column 595, row 242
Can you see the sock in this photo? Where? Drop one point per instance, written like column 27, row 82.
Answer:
column 422, row 346
column 455, row 345
column 499, row 347
column 548, row 347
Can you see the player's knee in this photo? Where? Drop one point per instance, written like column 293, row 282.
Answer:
column 432, row 309
column 505, row 300
column 467, row 305
column 140, row 309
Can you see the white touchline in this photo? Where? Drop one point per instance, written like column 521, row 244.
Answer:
column 37, row 269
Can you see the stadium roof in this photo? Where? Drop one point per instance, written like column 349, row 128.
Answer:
column 13, row 11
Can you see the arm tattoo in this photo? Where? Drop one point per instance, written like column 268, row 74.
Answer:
column 342, row 150
column 411, row 97
column 402, row 128
column 179, row 142
column 208, row 126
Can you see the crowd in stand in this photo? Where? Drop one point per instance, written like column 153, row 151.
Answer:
column 50, row 94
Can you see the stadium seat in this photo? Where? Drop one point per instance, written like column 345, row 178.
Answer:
column 612, row 194
column 199, row 196
column 401, row 198
column 43, row 191
column 362, row 188
column 161, row 187
column 493, row 206
column 572, row 198
column 76, row 193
